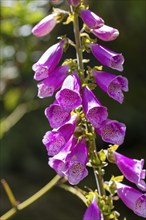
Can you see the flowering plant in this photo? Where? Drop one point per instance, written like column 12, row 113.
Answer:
column 77, row 116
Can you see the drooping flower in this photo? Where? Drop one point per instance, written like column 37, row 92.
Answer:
column 106, row 33
column 132, row 198
column 111, row 84
column 74, row 2
column 92, row 212
column 56, row 139
column 107, row 57
column 95, row 112
column 76, row 163
column 132, row 169
column 69, row 95
column 56, row 115
column 48, row 86
column 92, row 20
column 58, row 162
column 112, row 131
column 48, row 61
column 45, row 26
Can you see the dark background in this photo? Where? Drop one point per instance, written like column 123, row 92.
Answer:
column 23, row 160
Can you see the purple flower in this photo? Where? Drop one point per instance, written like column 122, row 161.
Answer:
column 53, row 82
column 95, row 112
column 92, row 20
column 56, row 115
column 107, row 57
column 76, row 163
column 112, row 131
column 73, row 2
column 56, row 139
column 92, row 212
column 111, row 84
column 132, row 169
column 133, row 199
column 106, row 33
column 48, row 61
column 69, row 95
column 58, row 162
column 45, row 26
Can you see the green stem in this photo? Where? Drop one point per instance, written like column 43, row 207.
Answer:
column 79, row 53
column 32, row 199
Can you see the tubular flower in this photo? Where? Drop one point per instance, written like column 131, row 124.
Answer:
column 112, row 131
column 132, row 169
column 58, row 162
column 48, row 86
column 106, row 33
column 74, row 2
column 48, row 61
column 92, row 20
column 92, row 212
column 76, row 163
column 132, row 198
column 107, row 57
column 95, row 112
column 69, row 95
column 56, row 115
column 45, row 26
column 56, row 139
column 111, row 84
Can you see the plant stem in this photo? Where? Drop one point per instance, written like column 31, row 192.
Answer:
column 79, row 53
column 31, row 199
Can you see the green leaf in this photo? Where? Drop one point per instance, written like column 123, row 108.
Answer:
column 11, row 98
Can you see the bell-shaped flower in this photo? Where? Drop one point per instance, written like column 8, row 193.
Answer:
column 132, row 169
column 94, row 111
column 112, row 84
column 58, row 162
column 56, row 115
column 106, row 33
column 76, row 163
column 112, row 131
column 48, row 61
column 74, row 2
column 53, row 82
column 92, row 212
column 107, row 57
column 56, row 139
column 132, row 198
column 69, row 95
column 92, row 20
column 45, row 26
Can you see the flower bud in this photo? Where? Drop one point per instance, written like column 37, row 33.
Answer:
column 45, row 26
column 92, row 20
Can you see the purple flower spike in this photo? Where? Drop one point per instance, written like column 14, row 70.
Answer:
column 92, row 20
column 95, row 112
column 107, row 57
column 132, row 169
column 111, row 84
column 58, row 162
column 74, row 2
column 56, row 115
column 112, row 131
column 106, row 33
column 56, row 139
column 92, row 212
column 133, row 199
column 48, row 61
column 76, row 163
column 53, row 82
column 69, row 95
column 45, row 26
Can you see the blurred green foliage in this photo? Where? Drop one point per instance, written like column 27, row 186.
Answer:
column 23, row 157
